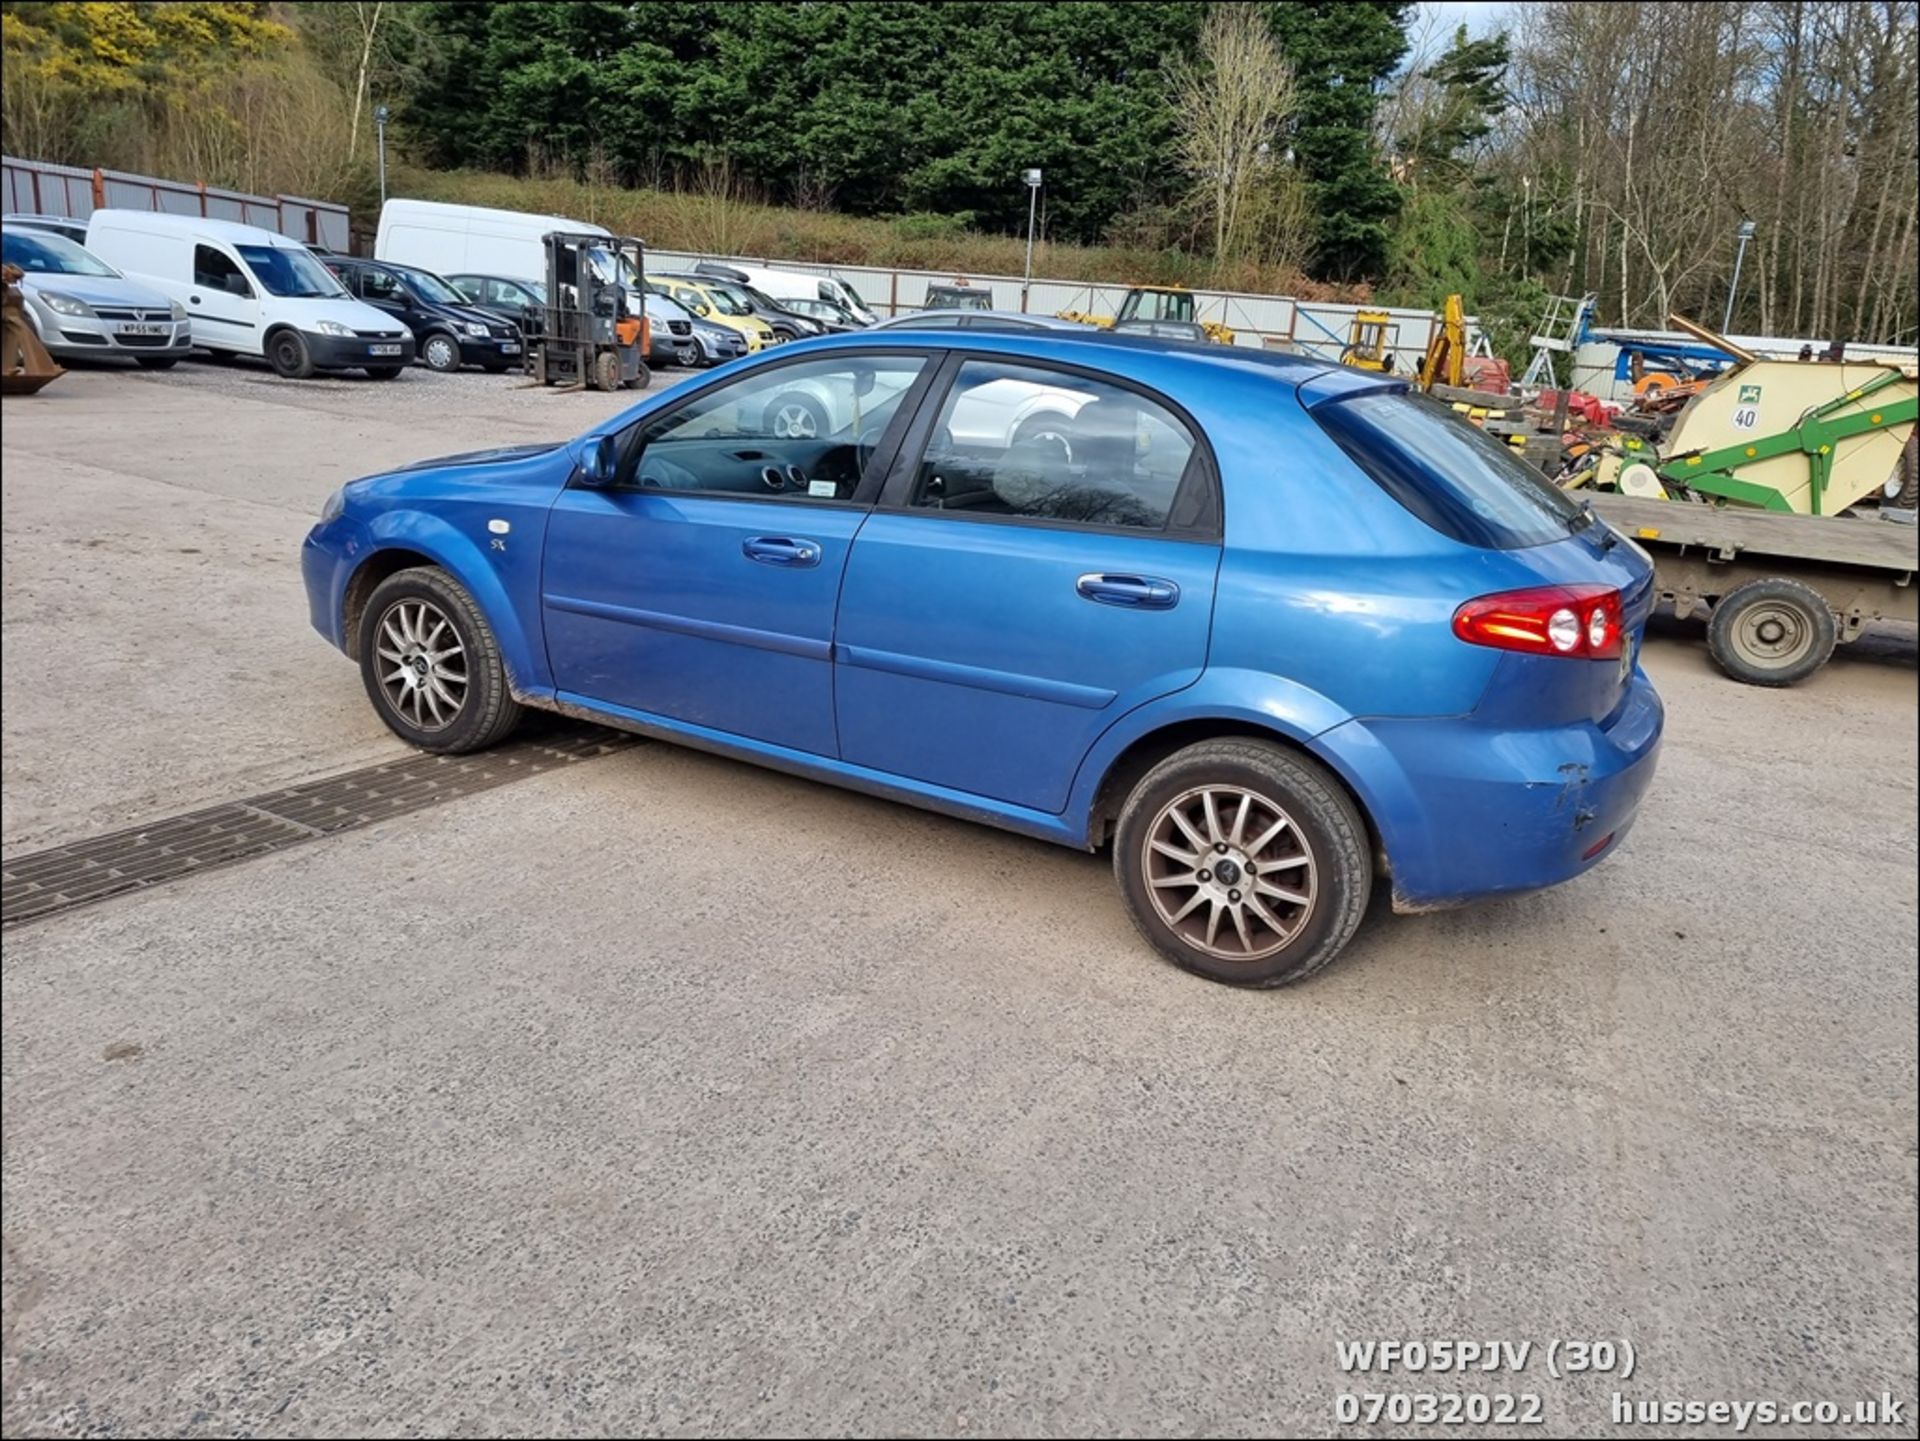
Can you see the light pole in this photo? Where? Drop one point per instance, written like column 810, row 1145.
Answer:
column 1032, row 177
column 380, row 129
column 1745, row 232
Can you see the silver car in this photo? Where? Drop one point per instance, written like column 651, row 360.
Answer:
column 81, row 307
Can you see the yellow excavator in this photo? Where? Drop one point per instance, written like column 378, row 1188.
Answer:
column 1372, row 337
column 1156, row 302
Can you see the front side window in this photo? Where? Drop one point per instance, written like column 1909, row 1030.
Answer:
column 45, row 253
column 797, row 432
column 380, row 285
column 1019, row 440
column 290, row 273
column 215, row 270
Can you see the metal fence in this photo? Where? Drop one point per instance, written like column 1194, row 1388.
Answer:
column 1273, row 322
column 35, row 187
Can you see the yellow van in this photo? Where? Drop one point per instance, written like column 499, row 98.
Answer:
column 711, row 305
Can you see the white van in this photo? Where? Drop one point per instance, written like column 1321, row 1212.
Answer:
column 249, row 291
column 470, row 239
column 791, row 285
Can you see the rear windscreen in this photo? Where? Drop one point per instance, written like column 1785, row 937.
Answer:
column 1452, row 475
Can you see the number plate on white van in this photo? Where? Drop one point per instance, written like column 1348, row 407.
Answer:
column 383, row 350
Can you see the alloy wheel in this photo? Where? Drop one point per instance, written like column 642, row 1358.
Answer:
column 421, row 664
column 1229, row 872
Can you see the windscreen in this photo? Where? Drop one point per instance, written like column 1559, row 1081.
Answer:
column 290, row 273
column 429, row 286
column 1452, row 475
column 44, row 253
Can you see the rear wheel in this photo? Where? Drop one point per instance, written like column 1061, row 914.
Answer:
column 1243, row 862
column 1772, row 632
column 431, row 664
column 641, row 379
column 287, row 354
column 441, row 352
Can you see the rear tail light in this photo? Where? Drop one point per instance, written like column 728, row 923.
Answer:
column 1581, row 622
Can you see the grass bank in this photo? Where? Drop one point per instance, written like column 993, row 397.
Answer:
column 718, row 222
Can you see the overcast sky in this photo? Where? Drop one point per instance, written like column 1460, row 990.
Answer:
column 1479, row 16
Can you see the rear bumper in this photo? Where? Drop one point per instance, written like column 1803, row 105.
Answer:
column 1466, row 810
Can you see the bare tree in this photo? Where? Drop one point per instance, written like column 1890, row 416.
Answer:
column 1230, row 103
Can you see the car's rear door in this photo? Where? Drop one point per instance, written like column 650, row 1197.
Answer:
column 702, row 586
column 1017, row 590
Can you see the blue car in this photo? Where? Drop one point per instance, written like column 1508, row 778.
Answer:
column 1270, row 627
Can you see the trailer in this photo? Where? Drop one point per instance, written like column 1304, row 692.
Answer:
column 1780, row 590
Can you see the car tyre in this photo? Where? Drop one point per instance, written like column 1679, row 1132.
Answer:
column 287, row 353
column 441, row 352
column 1772, row 632
column 1295, row 864
column 795, row 415
column 156, row 362
column 422, row 620
column 384, row 372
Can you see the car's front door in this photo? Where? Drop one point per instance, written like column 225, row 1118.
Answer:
column 1022, row 585
column 701, row 585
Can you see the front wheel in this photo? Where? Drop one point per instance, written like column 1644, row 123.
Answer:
column 431, row 665
column 287, row 353
column 441, row 352
column 606, row 371
column 1243, row 862
column 1772, row 632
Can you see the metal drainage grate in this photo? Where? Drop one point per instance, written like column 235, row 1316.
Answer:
column 48, row 882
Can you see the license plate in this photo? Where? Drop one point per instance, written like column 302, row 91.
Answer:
column 383, row 350
column 509, row 347
column 145, row 329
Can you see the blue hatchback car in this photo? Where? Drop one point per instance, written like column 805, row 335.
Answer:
column 1272, row 628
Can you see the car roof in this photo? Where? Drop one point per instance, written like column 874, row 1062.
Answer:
column 1144, row 357
column 1015, row 318
column 231, row 231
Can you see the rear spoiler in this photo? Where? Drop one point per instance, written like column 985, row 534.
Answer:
column 1342, row 382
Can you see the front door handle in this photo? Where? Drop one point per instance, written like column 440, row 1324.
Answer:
column 1133, row 592
column 780, row 550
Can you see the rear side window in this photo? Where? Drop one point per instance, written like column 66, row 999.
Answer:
column 1019, row 440
column 1452, row 475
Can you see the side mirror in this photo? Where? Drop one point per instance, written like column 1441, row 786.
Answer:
column 599, row 460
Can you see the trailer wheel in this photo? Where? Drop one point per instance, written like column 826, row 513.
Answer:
column 1907, row 497
column 1772, row 632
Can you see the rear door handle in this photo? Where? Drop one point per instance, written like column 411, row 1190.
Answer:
column 780, row 550
column 1133, row 592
